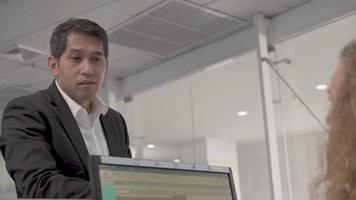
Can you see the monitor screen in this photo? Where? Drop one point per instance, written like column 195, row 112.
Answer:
column 138, row 183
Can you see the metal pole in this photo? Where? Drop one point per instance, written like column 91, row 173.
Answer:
column 261, row 25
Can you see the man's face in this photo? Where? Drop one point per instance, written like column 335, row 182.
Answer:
column 81, row 68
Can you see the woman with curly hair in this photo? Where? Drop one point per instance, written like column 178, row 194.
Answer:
column 340, row 173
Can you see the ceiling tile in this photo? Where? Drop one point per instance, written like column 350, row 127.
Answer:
column 143, row 42
column 40, row 85
column 171, row 28
column 133, row 7
column 134, row 64
column 167, row 31
column 106, row 16
column 118, row 52
column 37, row 40
column 25, row 76
column 247, row 8
column 202, row 2
column 195, row 17
column 116, row 73
column 288, row 4
column 41, row 63
column 101, row 1
column 53, row 10
column 15, row 23
column 7, row 65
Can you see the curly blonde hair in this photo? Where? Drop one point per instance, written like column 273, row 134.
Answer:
column 340, row 172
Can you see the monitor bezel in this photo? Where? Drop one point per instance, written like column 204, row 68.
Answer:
column 95, row 161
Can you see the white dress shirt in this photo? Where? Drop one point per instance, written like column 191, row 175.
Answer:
column 89, row 124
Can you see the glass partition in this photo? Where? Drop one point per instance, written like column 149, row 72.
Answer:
column 196, row 118
column 200, row 119
column 302, row 136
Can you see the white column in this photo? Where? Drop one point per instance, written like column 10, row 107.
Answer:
column 115, row 90
column 261, row 25
column 133, row 117
column 139, row 145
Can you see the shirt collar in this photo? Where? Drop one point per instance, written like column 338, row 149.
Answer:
column 99, row 106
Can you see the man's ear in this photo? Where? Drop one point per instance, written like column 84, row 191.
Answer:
column 107, row 66
column 53, row 65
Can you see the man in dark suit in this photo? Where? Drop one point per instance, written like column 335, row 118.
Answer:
column 46, row 137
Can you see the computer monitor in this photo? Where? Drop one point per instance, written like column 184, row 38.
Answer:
column 114, row 178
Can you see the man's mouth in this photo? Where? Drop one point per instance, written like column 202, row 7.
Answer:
column 87, row 83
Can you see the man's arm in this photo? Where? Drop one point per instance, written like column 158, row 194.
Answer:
column 29, row 158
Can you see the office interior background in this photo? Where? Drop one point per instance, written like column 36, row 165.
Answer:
column 185, row 75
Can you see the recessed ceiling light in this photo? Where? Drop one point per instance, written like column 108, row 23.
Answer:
column 242, row 113
column 321, row 87
column 150, row 146
column 176, row 160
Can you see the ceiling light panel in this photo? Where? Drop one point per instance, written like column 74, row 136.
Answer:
column 167, row 31
column 144, row 42
column 172, row 27
column 321, row 87
column 196, row 17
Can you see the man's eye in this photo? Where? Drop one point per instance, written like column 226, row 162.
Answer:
column 96, row 60
column 75, row 58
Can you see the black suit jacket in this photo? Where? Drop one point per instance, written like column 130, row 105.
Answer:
column 43, row 147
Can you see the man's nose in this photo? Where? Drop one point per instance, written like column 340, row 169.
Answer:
column 87, row 68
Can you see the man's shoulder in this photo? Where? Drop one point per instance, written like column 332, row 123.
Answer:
column 113, row 114
column 37, row 98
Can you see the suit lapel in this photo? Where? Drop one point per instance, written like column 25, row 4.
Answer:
column 111, row 137
column 69, row 123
